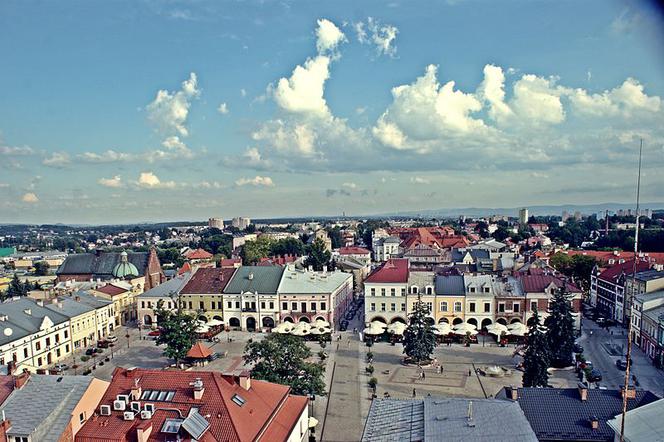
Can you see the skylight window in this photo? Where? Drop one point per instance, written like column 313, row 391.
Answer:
column 238, row 400
column 157, row 395
column 172, row 426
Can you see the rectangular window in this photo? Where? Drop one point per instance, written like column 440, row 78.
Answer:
column 403, row 306
column 237, row 305
column 271, row 304
column 303, row 306
column 191, row 305
column 294, row 306
column 81, row 417
column 313, row 306
column 229, row 304
column 284, row 306
column 382, row 292
column 212, row 305
column 323, row 306
column 533, row 306
column 443, row 306
column 457, row 306
column 487, row 307
column 501, row 307
column 373, row 306
column 382, row 307
column 373, row 291
column 430, row 306
column 25, row 353
column 66, row 348
column 262, row 304
column 471, row 307
column 516, row 307
column 48, row 341
column 393, row 307
column 403, row 291
column 201, row 305
column 38, row 346
column 393, row 292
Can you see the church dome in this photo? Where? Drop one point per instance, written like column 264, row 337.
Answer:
column 124, row 268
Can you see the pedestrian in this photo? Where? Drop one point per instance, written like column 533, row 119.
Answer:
column 414, row 394
column 423, row 375
column 469, row 372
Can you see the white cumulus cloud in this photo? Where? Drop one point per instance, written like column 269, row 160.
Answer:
column 169, row 110
column 114, row 182
column 57, row 160
column 223, row 109
column 149, row 180
column 377, row 34
column 30, row 198
column 303, row 91
column 328, row 36
column 258, row 180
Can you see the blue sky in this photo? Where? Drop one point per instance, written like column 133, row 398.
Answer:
column 145, row 111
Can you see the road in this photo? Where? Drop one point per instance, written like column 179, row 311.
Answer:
column 597, row 346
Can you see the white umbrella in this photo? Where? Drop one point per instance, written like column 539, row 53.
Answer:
column 464, row 327
column 215, row 323
column 397, row 328
column 284, row 327
column 313, row 422
column 376, row 324
column 496, row 329
column 441, row 329
column 374, row 330
column 320, row 331
column 321, row 323
column 301, row 329
column 202, row 329
column 517, row 329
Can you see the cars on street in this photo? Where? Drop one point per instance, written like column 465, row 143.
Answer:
column 578, row 348
column 112, row 338
column 621, row 364
column 90, row 351
column 61, row 367
column 595, row 375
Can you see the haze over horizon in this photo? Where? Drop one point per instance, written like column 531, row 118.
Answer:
column 149, row 111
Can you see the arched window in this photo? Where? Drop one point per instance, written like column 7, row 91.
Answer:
column 413, row 290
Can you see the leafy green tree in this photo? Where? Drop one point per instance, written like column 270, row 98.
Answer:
column 253, row 251
column 287, row 246
column 178, row 331
column 282, row 359
column 335, row 236
column 560, row 325
column 17, row 288
column 319, row 256
column 419, row 340
column 536, row 358
column 501, row 233
column 41, row 268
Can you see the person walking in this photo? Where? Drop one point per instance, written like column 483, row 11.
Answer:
column 414, row 394
column 423, row 375
column 469, row 372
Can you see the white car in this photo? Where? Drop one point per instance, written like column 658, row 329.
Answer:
column 111, row 338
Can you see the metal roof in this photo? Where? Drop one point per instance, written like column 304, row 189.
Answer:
column 259, row 279
column 165, row 289
column 303, row 281
column 643, row 423
column 24, row 317
column 43, row 407
column 450, row 285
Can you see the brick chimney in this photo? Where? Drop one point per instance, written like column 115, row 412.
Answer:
column 245, row 379
column 631, row 392
column 136, row 391
column 583, row 391
column 21, row 379
column 143, row 431
column 513, row 392
column 199, row 389
column 594, row 422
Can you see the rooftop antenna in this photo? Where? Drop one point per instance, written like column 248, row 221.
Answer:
column 631, row 296
column 471, row 422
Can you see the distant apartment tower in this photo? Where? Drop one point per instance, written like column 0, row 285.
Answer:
column 523, row 216
column 577, row 216
column 241, row 223
column 216, row 223
column 565, row 216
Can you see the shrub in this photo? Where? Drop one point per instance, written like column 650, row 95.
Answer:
column 370, row 356
column 370, row 369
column 322, row 355
column 85, row 358
column 87, row 372
column 372, row 383
column 101, row 363
column 100, row 350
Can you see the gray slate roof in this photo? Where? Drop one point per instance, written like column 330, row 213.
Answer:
column 43, row 407
column 436, row 419
column 450, row 285
column 165, row 289
column 559, row 414
column 91, row 300
column 21, row 323
column 69, row 307
column 261, row 279
column 101, row 265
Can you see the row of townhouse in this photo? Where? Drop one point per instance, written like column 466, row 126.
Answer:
column 392, row 290
column 36, row 335
column 253, row 297
column 613, row 288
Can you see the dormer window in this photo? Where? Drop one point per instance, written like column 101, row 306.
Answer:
column 472, row 289
column 414, row 290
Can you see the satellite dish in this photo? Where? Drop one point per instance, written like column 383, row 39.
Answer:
column 8, row 331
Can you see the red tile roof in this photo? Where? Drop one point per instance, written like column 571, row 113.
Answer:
column 613, row 273
column 186, row 267
column 354, row 251
column 267, row 407
column 604, row 256
column 198, row 254
column 536, row 283
column 199, row 351
column 208, row 280
column 393, row 271
column 230, row 262
column 111, row 290
column 6, row 387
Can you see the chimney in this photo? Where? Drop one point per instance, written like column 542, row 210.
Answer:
column 251, row 276
column 136, row 391
column 198, row 389
column 21, row 379
column 513, row 392
column 245, row 379
column 583, row 391
column 594, row 422
column 77, row 298
column 631, row 392
column 143, row 431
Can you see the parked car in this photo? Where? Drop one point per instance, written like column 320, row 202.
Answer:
column 112, row 338
column 343, row 325
column 90, row 351
column 621, row 364
column 61, row 367
column 154, row 333
column 578, row 348
column 595, row 375
column 102, row 344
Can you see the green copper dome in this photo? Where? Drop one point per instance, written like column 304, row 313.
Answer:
column 124, row 269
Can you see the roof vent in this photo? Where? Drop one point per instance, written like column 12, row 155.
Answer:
column 28, row 311
column 594, row 422
column 471, row 421
column 250, row 277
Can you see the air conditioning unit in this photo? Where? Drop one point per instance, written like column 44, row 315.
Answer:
column 119, row 405
column 145, row 414
column 123, row 397
column 105, row 410
column 129, row 415
column 135, row 406
column 148, row 407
